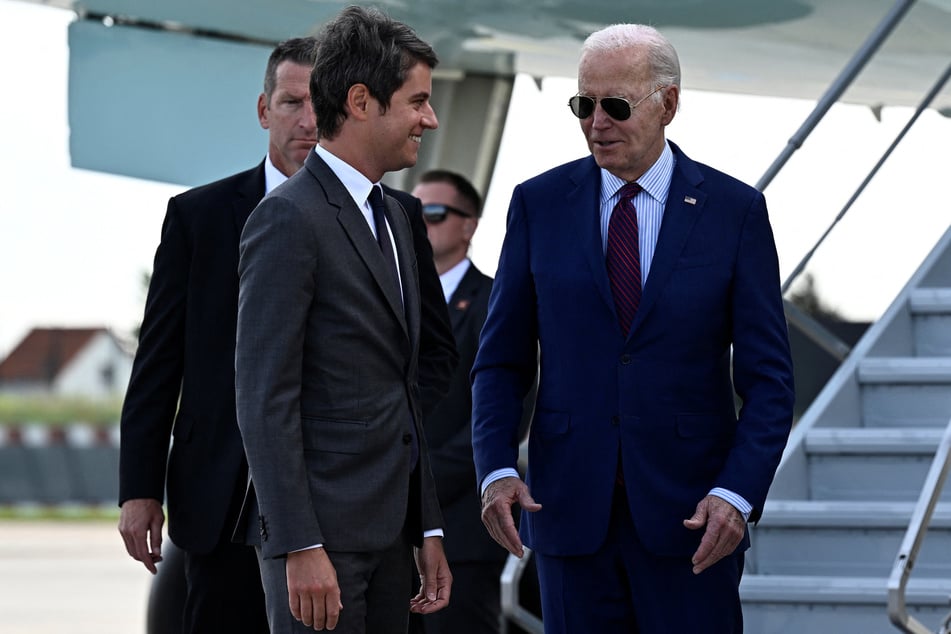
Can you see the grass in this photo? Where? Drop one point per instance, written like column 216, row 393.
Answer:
column 58, row 410
column 62, row 512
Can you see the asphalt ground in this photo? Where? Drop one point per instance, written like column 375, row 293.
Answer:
column 69, row 576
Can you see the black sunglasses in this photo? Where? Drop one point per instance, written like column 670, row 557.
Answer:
column 618, row 108
column 435, row 214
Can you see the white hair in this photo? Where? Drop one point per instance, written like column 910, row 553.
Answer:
column 661, row 55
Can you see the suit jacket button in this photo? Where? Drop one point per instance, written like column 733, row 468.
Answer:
column 407, row 439
column 625, row 359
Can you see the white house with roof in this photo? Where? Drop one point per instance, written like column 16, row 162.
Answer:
column 77, row 362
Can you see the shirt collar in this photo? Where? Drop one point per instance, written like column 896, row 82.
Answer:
column 357, row 185
column 450, row 279
column 655, row 181
column 272, row 176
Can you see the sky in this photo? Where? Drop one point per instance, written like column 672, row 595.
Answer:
column 75, row 244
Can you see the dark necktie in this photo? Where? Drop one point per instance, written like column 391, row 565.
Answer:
column 382, row 233
column 383, row 239
column 624, row 257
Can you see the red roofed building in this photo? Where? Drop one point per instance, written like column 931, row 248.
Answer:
column 88, row 362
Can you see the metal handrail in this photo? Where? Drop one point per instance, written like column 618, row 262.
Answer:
column 914, row 536
column 511, row 576
column 925, row 103
column 838, row 87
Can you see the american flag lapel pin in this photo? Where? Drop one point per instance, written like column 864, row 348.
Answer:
column 690, row 200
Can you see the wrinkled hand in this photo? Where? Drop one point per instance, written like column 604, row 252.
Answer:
column 312, row 591
column 140, row 524
column 497, row 504
column 434, row 576
column 725, row 528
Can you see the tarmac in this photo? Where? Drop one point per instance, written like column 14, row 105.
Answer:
column 69, row 576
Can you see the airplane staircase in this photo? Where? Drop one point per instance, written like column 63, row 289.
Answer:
column 850, row 480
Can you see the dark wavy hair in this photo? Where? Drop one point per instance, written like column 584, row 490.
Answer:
column 362, row 46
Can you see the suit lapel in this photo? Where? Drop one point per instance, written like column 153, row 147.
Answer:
column 679, row 220
column 354, row 224
column 584, row 201
column 461, row 298
column 408, row 310
column 248, row 194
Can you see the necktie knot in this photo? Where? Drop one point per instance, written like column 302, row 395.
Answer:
column 382, row 233
column 629, row 191
column 376, row 201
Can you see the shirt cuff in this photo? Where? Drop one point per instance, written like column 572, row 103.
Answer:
column 737, row 500
column 436, row 532
column 498, row 474
column 308, row 548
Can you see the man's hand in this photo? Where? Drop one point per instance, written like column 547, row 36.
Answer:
column 725, row 529
column 497, row 504
column 434, row 576
column 140, row 524
column 312, row 591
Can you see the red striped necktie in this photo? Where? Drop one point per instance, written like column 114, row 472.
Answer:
column 624, row 257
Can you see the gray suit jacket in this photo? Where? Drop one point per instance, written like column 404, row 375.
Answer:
column 326, row 374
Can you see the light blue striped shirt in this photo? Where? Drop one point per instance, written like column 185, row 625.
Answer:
column 650, row 203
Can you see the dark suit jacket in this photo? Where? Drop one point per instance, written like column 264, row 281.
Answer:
column 326, row 374
column 186, row 352
column 449, row 431
column 662, row 398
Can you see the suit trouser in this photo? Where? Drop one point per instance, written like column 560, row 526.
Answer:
column 374, row 590
column 625, row 589
column 224, row 593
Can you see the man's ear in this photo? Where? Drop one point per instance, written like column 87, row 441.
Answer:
column 262, row 111
column 469, row 227
column 358, row 101
column 671, row 99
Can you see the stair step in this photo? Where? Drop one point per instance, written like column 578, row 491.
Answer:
column 923, row 301
column 863, row 464
column 914, row 370
column 851, row 538
column 839, row 513
column 774, row 604
column 905, row 390
column 855, row 590
column 881, row 441
column 931, row 316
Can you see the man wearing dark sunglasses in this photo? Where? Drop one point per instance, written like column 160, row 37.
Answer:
column 650, row 283
column 452, row 208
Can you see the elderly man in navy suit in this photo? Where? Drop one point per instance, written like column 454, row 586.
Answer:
column 650, row 282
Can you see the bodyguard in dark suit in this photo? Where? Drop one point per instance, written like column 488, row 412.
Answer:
column 651, row 284
column 328, row 344
column 452, row 208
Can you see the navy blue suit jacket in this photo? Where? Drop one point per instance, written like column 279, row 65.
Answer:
column 661, row 399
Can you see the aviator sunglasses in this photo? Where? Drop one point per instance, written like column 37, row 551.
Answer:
column 434, row 214
column 618, row 108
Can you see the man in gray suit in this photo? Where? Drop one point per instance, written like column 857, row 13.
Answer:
column 327, row 350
